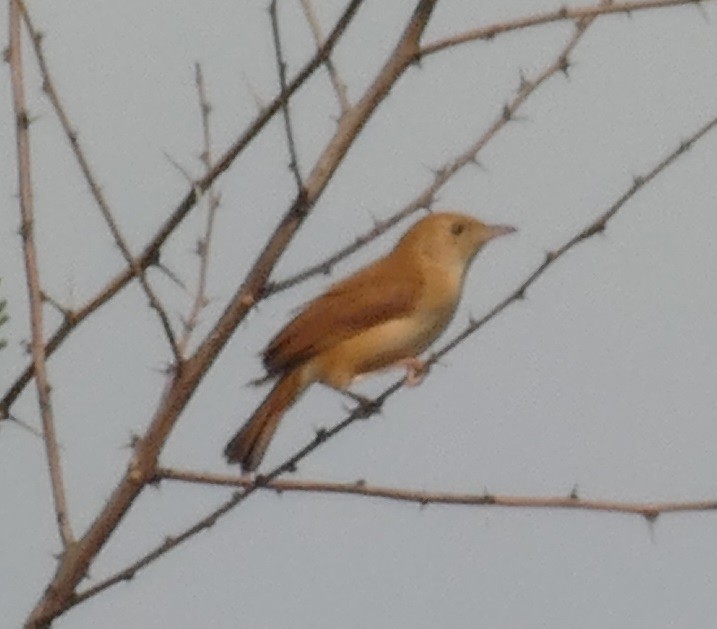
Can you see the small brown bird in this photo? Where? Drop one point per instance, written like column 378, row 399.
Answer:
column 381, row 316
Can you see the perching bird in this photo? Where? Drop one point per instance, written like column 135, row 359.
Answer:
column 381, row 316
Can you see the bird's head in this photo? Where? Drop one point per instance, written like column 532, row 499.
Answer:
column 450, row 239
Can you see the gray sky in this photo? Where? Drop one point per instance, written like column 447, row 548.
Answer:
column 603, row 378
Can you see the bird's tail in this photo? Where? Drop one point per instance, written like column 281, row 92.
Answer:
column 248, row 446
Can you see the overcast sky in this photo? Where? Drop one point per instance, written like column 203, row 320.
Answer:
column 602, row 379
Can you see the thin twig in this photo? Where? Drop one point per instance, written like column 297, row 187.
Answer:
column 136, row 269
column 338, row 84
column 23, row 424
column 213, row 200
column 62, row 310
column 281, row 68
column 562, row 14
column 422, row 497
column 32, row 274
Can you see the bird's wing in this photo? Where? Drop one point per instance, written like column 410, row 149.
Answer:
column 378, row 293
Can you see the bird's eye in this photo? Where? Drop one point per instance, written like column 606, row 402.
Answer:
column 457, row 229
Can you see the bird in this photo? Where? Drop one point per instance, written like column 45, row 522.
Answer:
column 382, row 316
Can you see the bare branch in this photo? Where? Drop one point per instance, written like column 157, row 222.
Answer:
column 281, row 68
column 204, row 244
column 32, row 274
column 422, row 497
column 338, row 84
column 565, row 13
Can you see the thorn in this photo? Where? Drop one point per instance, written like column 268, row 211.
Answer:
column 637, row 181
column 23, row 120
column 550, row 256
column 361, row 482
column 507, row 113
column 651, row 518
column 168, row 369
column 379, row 226
column 574, row 492
column 702, row 10
column 564, row 65
column 651, row 515
column 596, row 228
column 133, row 442
column 438, row 173
column 320, row 435
column 524, row 84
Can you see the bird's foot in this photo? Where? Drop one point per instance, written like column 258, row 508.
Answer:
column 416, row 370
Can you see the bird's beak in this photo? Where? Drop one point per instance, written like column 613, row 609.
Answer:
column 494, row 231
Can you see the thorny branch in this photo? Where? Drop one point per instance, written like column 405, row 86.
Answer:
column 281, row 68
column 572, row 500
column 563, row 14
column 338, row 84
column 32, row 274
column 213, row 200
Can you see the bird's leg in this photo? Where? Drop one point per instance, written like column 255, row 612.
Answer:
column 356, row 397
column 362, row 400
